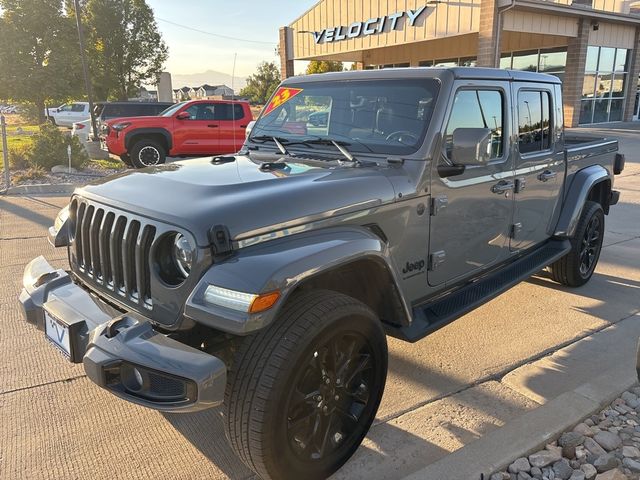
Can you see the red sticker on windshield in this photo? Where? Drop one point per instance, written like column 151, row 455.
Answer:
column 282, row 96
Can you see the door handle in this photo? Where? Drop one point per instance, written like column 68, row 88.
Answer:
column 212, row 126
column 547, row 175
column 244, row 126
column 502, row 187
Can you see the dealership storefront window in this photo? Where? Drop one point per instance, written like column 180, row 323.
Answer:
column 604, row 84
column 549, row 60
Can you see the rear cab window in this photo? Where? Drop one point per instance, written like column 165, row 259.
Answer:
column 534, row 121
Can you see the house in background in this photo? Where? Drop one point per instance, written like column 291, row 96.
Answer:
column 206, row 91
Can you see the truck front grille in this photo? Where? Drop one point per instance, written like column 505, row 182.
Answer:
column 112, row 250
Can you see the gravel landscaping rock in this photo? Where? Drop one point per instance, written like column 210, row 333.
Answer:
column 90, row 173
column 520, row 465
column 544, row 458
column 605, row 446
column 608, row 440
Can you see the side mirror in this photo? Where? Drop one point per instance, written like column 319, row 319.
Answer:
column 471, row 146
column 183, row 116
column 249, row 128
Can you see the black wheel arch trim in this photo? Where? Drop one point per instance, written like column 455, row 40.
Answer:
column 577, row 195
column 287, row 264
column 129, row 136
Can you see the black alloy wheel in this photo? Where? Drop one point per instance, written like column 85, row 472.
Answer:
column 331, row 394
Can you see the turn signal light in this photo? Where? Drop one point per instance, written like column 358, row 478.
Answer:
column 264, row 302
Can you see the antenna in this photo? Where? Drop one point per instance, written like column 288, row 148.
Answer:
column 233, row 95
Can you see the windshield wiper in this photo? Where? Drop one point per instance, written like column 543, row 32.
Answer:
column 278, row 141
column 336, row 143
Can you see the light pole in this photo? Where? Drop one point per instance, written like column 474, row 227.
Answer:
column 85, row 70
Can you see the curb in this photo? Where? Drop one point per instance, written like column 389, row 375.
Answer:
column 46, row 188
column 530, row 432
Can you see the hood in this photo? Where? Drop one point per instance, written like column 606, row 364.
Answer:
column 198, row 194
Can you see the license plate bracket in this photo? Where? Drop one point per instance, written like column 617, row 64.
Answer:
column 63, row 336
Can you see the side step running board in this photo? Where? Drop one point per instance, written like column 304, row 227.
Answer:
column 431, row 316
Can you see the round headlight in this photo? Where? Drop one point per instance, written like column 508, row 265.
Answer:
column 183, row 253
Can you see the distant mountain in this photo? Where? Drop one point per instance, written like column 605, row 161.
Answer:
column 210, row 76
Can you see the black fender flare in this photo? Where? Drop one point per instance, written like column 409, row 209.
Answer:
column 576, row 197
column 282, row 265
column 148, row 131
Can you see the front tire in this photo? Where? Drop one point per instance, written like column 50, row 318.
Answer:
column 126, row 159
column 576, row 267
column 147, row 153
column 303, row 392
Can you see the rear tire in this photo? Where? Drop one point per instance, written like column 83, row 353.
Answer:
column 302, row 393
column 576, row 267
column 147, row 153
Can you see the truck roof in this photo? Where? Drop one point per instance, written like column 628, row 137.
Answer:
column 451, row 73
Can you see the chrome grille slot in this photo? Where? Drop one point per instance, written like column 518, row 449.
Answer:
column 112, row 250
column 128, row 258
column 85, row 240
column 115, row 251
column 105, row 251
column 94, row 232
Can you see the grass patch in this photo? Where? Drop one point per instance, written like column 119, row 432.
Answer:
column 108, row 164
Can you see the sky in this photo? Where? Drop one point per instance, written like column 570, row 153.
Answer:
column 256, row 20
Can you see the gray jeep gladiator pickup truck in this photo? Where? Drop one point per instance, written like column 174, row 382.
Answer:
column 265, row 281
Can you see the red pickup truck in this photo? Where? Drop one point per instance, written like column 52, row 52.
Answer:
column 193, row 128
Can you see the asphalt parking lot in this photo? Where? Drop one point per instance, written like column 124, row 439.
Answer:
column 442, row 392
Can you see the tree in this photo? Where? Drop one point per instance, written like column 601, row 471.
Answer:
column 39, row 55
column 125, row 47
column 324, row 66
column 262, row 84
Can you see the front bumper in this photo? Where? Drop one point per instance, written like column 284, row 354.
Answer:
column 122, row 352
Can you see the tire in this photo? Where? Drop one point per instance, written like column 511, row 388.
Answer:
column 147, row 153
column 52, row 120
column 269, row 427
column 576, row 267
column 126, row 159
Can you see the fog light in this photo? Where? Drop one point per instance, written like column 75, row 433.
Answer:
column 132, row 378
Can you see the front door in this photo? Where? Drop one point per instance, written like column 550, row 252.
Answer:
column 199, row 134
column 539, row 166
column 472, row 212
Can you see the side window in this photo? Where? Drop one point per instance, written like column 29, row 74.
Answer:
column 534, row 121
column 477, row 109
column 228, row 111
column 65, row 108
column 202, row 111
column 77, row 107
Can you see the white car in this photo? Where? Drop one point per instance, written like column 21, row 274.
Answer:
column 82, row 130
column 68, row 114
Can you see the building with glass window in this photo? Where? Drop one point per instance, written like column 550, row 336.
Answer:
column 592, row 45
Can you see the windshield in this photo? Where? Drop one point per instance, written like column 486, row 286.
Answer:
column 172, row 109
column 372, row 116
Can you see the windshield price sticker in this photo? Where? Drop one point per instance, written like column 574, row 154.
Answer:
column 282, row 96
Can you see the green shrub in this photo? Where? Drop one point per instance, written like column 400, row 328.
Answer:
column 50, row 148
column 19, row 157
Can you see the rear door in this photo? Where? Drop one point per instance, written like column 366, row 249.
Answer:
column 472, row 213
column 199, row 134
column 229, row 118
column 539, row 163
